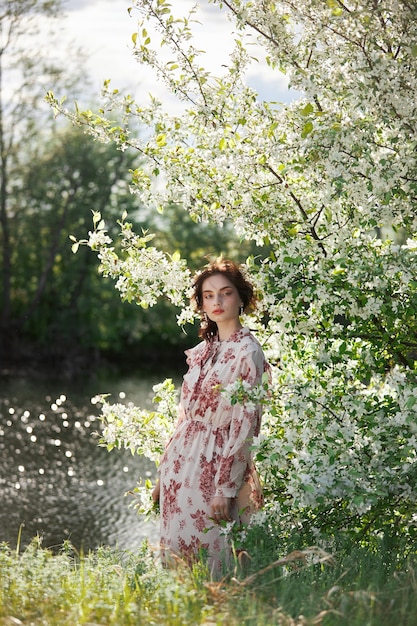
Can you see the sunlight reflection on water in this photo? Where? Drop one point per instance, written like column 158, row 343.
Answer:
column 55, row 480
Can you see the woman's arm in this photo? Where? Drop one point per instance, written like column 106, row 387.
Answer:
column 245, row 423
column 156, row 492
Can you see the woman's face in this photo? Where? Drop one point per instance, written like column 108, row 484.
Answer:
column 221, row 299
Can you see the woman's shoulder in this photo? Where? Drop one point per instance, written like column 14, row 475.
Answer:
column 199, row 347
column 246, row 343
column 245, row 337
column 250, row 355
column 197, row 352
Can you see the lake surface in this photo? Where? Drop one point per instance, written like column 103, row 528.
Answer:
column 55, row 480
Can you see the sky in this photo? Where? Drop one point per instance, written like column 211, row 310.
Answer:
column 104, row 28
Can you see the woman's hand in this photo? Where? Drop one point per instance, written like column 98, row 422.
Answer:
column 156, row 492
column 220, row 509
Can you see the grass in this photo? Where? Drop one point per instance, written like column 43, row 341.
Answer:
column 354, row 587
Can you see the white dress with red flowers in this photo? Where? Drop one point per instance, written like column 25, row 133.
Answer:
column 209, row 452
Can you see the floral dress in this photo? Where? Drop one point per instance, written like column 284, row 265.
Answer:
column 209, row 452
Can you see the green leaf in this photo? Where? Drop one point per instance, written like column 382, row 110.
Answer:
column 307, row 110
column 342, row 348
column 307, row 128
column 308, row 488
column 411, row 402
column 161, row 140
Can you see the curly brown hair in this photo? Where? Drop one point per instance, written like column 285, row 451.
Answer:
column 232, row 271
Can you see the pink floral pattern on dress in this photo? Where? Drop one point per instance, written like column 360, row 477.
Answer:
column 178, row 464
column 200, row 520
column 209, row 452
column 170, row 499
column 206, row 472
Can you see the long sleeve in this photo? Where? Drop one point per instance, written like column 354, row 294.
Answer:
column 245, row 424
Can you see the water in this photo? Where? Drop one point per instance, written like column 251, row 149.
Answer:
column 55, row 481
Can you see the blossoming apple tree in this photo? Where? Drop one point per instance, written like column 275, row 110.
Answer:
column 328, row 182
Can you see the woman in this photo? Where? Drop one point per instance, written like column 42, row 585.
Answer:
column 206, row 475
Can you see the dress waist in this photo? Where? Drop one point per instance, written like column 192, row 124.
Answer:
column 208, row 423
column 205, row 435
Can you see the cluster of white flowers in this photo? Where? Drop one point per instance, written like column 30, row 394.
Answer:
column 243, row 392
column 143, row 501
column 142, row 273
column 336, row 439
column 138, row 430
column 98, row 239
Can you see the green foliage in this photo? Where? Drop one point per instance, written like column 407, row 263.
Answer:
column 55, row 296
column 304, row 587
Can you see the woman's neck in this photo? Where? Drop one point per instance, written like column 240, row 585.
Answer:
column 226, row 330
